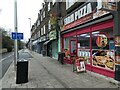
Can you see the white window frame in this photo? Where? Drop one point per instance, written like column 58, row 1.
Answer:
column 69, row 3
column 38, row 23
column 43, row 14
column 49, row 6
column 49, row 26
column 41, row 31
column 44, row 29
column 53, row 2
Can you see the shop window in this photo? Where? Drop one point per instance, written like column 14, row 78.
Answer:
column 66, row 43
column 84, row 47
column 103, row 49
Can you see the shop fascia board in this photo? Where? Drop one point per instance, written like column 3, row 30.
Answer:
column 88, row 24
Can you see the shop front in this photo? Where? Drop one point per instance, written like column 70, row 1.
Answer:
column 95, row 44
column 92, row 36
column 54, row 43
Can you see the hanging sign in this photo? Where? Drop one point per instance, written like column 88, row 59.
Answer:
column 52, row 35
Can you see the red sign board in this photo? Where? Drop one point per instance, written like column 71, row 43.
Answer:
column 84, row 14
column 78, row 22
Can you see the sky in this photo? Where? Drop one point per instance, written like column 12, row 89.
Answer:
column 25, row 9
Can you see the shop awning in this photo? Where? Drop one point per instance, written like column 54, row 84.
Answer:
column 45, row 43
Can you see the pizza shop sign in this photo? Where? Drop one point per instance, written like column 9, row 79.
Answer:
column 87, row 9
column 81, row 15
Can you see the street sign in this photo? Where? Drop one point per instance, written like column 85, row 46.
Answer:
column 17, row 36
column 14, row 35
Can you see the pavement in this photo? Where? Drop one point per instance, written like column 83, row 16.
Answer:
column 46, row 72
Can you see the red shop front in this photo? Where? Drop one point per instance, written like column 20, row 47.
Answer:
column 94, row 43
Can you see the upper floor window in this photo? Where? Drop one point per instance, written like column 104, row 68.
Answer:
column 49, row 6
column 35, row 35
column 38, row 33
column 53, row 1
column 44, row 14
column 49, row 26
column 38, row 23
column 41, row 17
column 35, row 26
column 44, row 29
column 41, row 31
column 69, row 3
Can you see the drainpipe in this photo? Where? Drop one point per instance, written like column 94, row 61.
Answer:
column 58, row 25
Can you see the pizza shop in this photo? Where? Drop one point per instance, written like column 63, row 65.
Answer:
column 92, row 36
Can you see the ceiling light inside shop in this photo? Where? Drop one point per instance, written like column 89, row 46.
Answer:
column 95, row 32
column 83, row 34
column 87, row 36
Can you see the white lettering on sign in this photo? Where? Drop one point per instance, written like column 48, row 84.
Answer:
column 85, row 10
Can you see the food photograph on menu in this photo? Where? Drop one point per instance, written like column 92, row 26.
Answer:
column 101, row 57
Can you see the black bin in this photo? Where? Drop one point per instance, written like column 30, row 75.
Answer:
column 22, row 72
column 61, row 56
column 117, row 72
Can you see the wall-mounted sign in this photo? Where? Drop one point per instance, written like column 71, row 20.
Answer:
column 43, row 38
column 109, row 5
column 101, row 40
column 52, row 18
column 52, row 35
column 89, row 11
column 117, row 41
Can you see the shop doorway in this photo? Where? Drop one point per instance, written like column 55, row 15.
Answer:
column 73, row 47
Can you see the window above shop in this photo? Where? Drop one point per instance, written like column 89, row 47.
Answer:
column 48, row 6
column 69, row 3
column 43, row 14
column 44, row 31
column 53, row 2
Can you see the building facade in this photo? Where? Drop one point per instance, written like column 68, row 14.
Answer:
column 90, row 31
column 81, row 26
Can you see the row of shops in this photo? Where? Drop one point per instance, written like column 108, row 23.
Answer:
column 47, row 47
column 90, row 32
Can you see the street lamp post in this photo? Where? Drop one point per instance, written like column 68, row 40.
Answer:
column 30, row 34
column 15, row 42
column 30, row 22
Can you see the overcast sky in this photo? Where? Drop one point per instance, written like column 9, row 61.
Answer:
column 25, row 8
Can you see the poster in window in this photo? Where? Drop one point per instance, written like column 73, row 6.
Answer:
column 101, row 40
column 117, row 41
column 104, row 59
